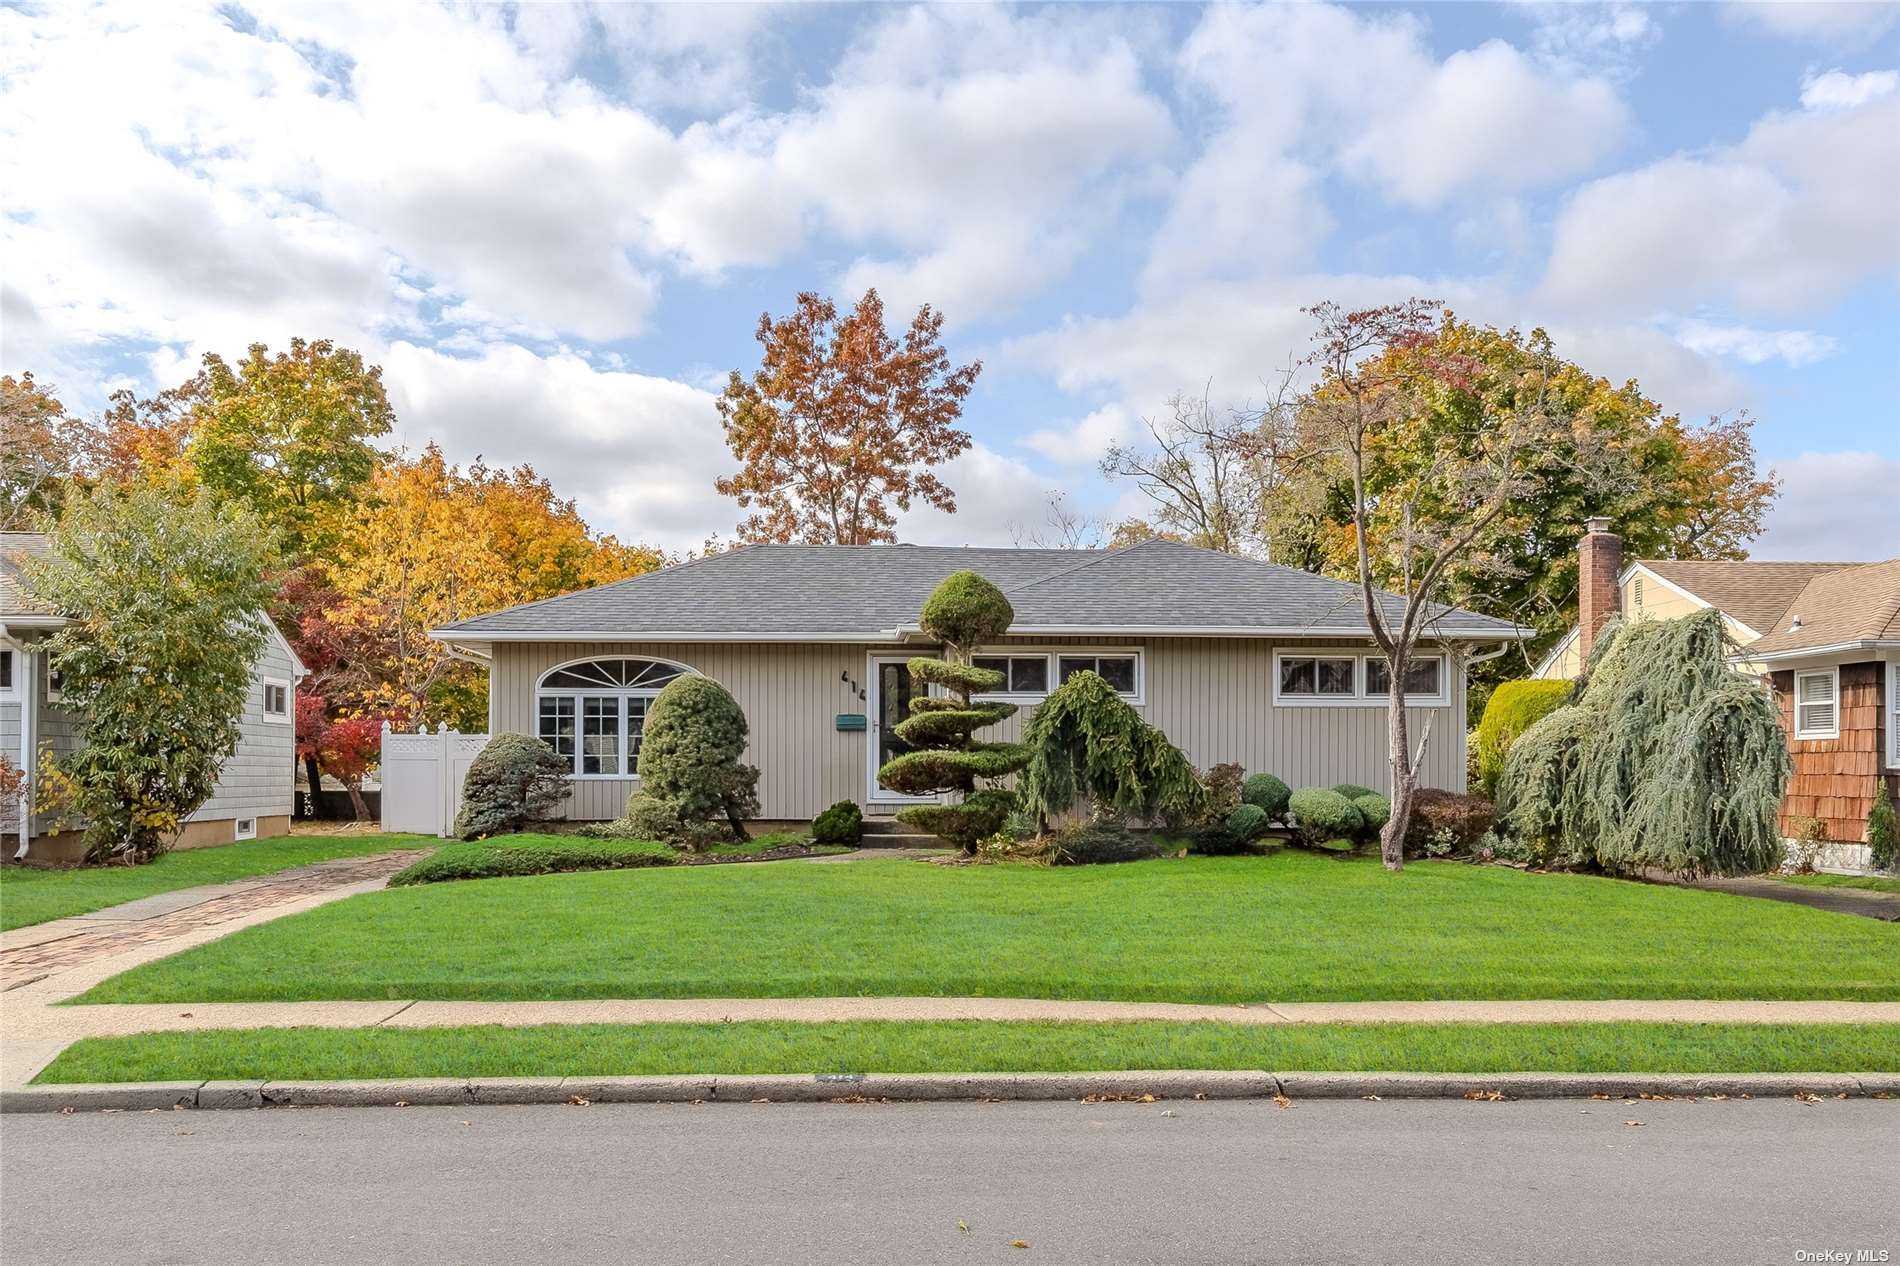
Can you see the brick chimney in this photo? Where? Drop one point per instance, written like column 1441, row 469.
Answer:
column 1599, row 561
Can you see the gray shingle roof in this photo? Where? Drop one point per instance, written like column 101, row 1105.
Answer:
column 15, row 598
column 869, row 590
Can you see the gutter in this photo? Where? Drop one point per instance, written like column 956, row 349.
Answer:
column 1749, row 655
column 905, row 633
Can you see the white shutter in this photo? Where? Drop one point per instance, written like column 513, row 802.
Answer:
column 1893, row 714
column 1817, row 704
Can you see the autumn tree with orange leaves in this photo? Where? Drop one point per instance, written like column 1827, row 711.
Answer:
column 841, row 426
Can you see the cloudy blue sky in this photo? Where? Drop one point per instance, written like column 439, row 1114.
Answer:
column 555, row 227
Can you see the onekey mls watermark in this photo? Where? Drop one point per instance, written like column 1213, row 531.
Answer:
column 1843, row 1256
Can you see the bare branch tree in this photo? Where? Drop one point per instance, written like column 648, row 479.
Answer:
column 1063, row 527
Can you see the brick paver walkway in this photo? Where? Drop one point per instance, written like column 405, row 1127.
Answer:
column 91, row 940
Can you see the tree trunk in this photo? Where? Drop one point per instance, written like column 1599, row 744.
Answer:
column 314, row 777
column 739, row 832
column 1392, row 838
column 357, row 804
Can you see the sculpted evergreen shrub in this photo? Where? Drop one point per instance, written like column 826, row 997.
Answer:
column 1269, row 793
column 1248, row 822
column 1352, row 790
column 1514, row 707
column 690, row 746
column 964, row 613
column 1374, row 812
column 842, row 823
column 1883, row 831
column 514, row 780
column 1086, row 743
column 1667, row 758
column 1321, row 815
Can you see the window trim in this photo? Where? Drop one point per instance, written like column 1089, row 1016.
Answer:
column 627, row 761
column 1893, row 713
column 1361, row 697
column 10, row 689
column 1833, row 730
column 1053, row 655
column 289, row 715
column 238, row 831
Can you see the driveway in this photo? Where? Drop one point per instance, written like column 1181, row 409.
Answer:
column 1202, row 1182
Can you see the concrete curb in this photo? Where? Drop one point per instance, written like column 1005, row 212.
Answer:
column 930, row 1087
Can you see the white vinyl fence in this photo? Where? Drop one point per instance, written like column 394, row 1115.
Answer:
column 422, row 778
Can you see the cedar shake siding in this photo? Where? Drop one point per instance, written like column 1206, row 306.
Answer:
column 1834, row 778
column 1213, row 697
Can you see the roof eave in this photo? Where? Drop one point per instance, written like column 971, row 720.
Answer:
column 1513, row 633
column 1748, row 654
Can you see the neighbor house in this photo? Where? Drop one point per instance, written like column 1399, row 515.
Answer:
column 1824, row 636
column 1235, row 660
column 254, row 793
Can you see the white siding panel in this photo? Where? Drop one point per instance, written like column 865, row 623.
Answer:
column 1212, row 696
column 258, row 779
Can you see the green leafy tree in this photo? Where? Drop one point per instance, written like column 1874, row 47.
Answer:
column 165, row 599
column 963, row 613
column 1668, row 758
column 690, row 746
column 1086, row 743
column 290, row 435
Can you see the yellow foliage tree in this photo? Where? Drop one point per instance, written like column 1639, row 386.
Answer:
column 431, row 543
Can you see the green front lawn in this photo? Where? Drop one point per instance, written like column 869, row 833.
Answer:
column 1291, row 927
column 30, row 895
column 970, row 1046
column 1872, row 883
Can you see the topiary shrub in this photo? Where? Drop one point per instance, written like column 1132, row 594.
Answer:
column 1513, row 708
column 646, row 818
column 1883, row 831
column 842, row 823
column 963, row 613
column 1667, row 758
column 690, row 746
column 1464, row 818
column 513, row 780
column 1086, row 743
column 1374, row 812
column 1321, row 815
column 1269, row 793
column 1248, row 822
column 1352, row 790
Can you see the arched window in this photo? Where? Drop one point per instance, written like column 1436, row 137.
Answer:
column 592, row 712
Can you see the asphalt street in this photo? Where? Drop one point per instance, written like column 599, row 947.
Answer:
column 1730, row 1182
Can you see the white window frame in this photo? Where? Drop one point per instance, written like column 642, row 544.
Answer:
column 289, row 715
column 1833, row 729
column 1893, row 713
column 1361, row 696
column 16, row 666
column 55, row 684
column 1053, row 657
column 244, row 828
column 626, row 760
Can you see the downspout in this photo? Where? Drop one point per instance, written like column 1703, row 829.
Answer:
column 29, row 742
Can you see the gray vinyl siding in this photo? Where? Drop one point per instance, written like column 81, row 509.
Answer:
column 257, row 779
column 1212, row 696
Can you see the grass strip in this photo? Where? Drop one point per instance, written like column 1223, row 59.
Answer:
column 973, row 1046
column 1869, row 883
column 30, row 894
column 1292, row 927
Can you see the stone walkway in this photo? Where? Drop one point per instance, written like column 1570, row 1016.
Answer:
column 33, row 953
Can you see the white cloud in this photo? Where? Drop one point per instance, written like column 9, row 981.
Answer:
column 638, row 453
column 1088, row 440
column 1837, row 89
column 1592, row 38
column 1834, row 506
column 1754, row 347
column 995, row 494
column 1837, row 22
column 1795, row 215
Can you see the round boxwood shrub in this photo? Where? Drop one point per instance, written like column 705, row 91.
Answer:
column 1269, row 793
column 1247, row 822
column 842, row 823
column 1352, row 790
column 689, row 754
column 1320, row 815
column 1374, row 811
column 512, row 781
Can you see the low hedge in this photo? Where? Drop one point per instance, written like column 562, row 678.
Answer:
column 496, row 861
column 1320, row 815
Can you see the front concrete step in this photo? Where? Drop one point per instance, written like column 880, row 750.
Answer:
column 890, row 833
